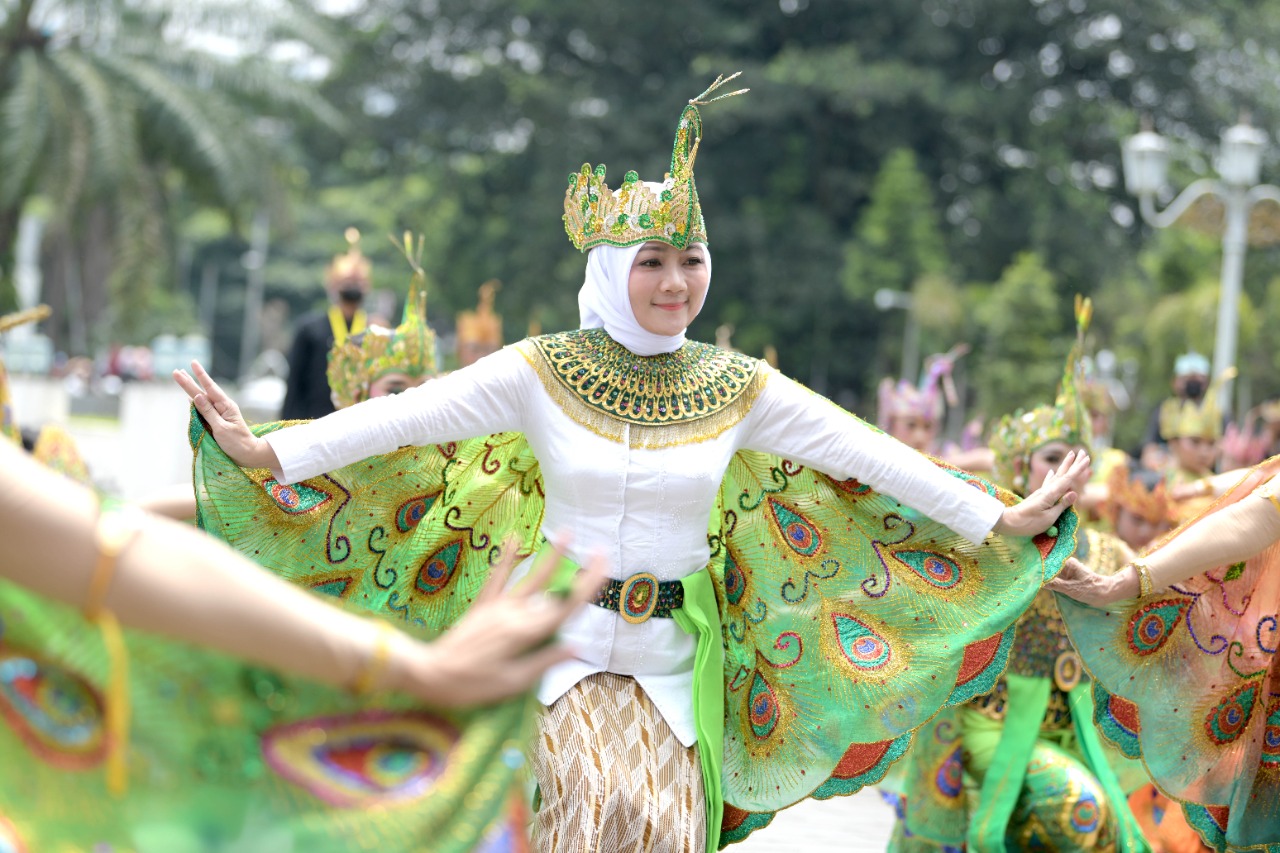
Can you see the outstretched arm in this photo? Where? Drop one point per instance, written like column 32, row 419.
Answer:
column 1234, row 533
column 484, row 398
column 792, row 421
column 171, row 579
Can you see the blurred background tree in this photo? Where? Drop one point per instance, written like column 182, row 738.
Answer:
column 116, row 113
column 968, row 150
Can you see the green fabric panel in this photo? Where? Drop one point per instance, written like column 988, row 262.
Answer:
column 1027, row 700
column 1128, row 833
column 700, row 616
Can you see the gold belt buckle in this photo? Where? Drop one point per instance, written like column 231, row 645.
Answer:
column 1068, row 670
column 638, row 598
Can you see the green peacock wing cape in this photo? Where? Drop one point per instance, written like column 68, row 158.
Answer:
column 848, row 619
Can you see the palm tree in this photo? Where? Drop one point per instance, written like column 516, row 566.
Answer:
column 111, row 108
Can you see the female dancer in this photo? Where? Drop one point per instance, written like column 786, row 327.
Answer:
column 848, row 619
column 1182, row 644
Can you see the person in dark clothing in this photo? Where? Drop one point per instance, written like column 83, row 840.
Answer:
column 307, row 393
column 1190, row 382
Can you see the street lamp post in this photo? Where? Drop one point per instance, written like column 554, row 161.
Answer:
column 1145, row 158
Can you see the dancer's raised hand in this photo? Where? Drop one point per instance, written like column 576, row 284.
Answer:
column 224, row 419
column 1040, row 509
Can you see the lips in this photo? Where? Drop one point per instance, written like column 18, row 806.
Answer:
column 676, row 306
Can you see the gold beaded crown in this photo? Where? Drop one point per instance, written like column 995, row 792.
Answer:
column 1019, row 435
column 594, row 215
column 410, row 348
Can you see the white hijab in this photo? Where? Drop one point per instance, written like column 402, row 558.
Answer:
column 604, row 301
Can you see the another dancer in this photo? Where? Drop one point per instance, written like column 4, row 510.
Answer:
column 1182, row 644
column 1042, row 779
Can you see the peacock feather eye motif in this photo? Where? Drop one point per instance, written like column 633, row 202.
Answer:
column 1153, row 624
column 735, row 581
column 937, row 568
column 1271, row 738
column 412, row 511
column 762, row 707
column 1229, row 719
column 798, row 532
column 438, row 569
column 57, row 713
column 863, row 647
column 949, row 778
column 296, row 499
column 362, row 760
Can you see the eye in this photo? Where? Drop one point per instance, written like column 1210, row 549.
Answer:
column 694, row 259
column 652, row 263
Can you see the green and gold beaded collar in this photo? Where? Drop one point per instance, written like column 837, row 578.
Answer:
column 685, row 397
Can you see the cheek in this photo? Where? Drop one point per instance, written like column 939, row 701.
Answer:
column 697, row 285
column 639, row 291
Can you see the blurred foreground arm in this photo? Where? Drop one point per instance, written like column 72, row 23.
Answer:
column 173, row 580
column 1232, row 534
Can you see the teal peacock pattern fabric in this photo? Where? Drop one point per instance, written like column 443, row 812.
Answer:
column 1187, row 680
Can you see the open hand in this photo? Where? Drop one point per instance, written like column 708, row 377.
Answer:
column 503, row 645
column 1078, row 582
column 224, row 419
column 1041, row 509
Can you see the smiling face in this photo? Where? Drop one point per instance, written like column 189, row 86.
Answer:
column 667, row 286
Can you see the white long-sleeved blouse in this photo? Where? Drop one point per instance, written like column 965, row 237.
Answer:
column 645, row 509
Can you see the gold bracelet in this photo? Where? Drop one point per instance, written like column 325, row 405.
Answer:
column 376, row 664
column 1268, row 491
column 117, row 527
column 1145, row 584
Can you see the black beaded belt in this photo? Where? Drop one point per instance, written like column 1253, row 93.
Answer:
column 641, row 596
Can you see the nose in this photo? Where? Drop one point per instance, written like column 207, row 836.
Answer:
column 673, row 281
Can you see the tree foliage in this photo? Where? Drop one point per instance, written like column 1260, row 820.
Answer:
column 465, row 116
column 107, row 107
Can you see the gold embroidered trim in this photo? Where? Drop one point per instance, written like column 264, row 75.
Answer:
column 653, row 427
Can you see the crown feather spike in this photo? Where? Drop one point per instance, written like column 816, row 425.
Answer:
column 702, row 100
column 636, row 213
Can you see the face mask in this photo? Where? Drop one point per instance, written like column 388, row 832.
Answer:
column 1193, row 388
column 351, row 294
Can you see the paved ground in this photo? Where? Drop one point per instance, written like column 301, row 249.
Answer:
column 857, row 824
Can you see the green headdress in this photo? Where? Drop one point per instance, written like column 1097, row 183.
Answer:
column 1019, row 435
column 594, row 215
column 410, row 348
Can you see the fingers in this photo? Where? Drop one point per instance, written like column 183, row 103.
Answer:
column 498, row 576
column 530, row 668
column 588, row 582
column 545, row 567
column 211, row 388
column 187, row 384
